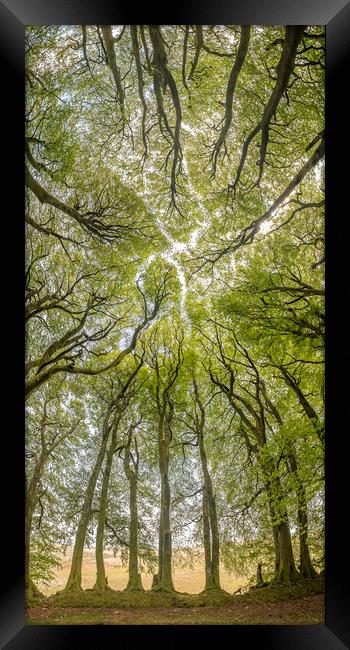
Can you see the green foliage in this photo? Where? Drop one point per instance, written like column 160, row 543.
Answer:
column 141, row 254
column 44, row 559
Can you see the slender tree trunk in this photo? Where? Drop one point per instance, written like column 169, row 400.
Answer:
column 29, row 585
column 273, row 527
column 207, row 543
column 31, row 590
column 210, row 529
column 101, row 582
column 211, row 539
column 134, row 582
column 28, row 522
column 306, row 567
column 160, row 539
column 308, row 409
column 31, row 499
column 215, row 555
column 270, row 500
column 165, row 581
column 165, row 409
column 277, row 548
column 74, row 579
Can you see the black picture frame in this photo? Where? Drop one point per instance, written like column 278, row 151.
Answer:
column 335, row 14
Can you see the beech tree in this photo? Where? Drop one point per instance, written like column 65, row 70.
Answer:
column 196, row 423
column 166, row 357
column 175, row 301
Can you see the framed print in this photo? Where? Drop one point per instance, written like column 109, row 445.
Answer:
column 183, row 460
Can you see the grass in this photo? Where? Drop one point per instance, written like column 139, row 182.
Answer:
column 190, row 580
column 301, row 603
column 138, row 600
column 308, row 610
column 150, row 599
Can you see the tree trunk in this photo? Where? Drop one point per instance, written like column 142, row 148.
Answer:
column 274, row 530
column 285, row 566
column 74, row 579
column 277, row 548
column 134, row 582
column 28, row 530
column 160, row 540
column 207, row 544
column 165, row 551
column 215, row 555
column 165, row 409
column 308, row 409
column 101, row 582
column 306, row 567
column 31, row 500
column 287, row 571
column 210, row 528
column 211, row 540
column 32, row 592
column 166, row 579
column 155, row 580
column 165, row 582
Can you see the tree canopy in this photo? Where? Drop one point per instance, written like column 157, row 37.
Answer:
column 174, row 298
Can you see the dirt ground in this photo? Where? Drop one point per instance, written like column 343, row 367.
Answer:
column 308, row 610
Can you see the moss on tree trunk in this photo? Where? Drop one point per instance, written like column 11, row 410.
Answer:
column 287, row 571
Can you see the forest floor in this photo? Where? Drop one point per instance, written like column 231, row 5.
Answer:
column 274, row 605
column 301, row 611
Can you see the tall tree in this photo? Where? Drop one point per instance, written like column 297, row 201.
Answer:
column 123, row 390
column 131, row 469
column 197, row 422
column 185, row 213
column 166, row 356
